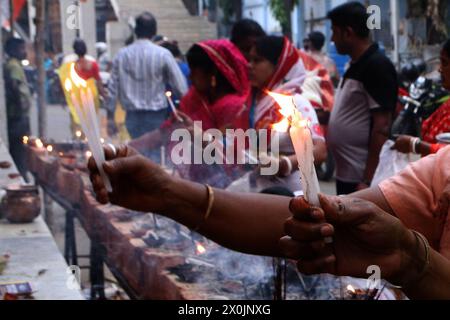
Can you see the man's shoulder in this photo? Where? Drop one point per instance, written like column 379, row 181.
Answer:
column 378, row 61
column 145, row 46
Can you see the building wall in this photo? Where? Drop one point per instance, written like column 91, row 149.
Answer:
column 259, row 10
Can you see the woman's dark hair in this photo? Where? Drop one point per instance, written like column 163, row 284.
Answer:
column 146, row 26
column 317, row 40
column 80, row 48
column 244, row 29
column 12, row 45
column 270, row 48
column 353, row 15
column 173, row 48
column 446, row 47
column 197, row 58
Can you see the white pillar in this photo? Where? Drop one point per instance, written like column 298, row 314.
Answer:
column 394, row 31
column 80, row 19
column 88, row 26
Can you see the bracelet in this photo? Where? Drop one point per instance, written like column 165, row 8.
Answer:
column 420, row 239
column 414, row 144
column 427, row 253
column 209, row 208
column 290, row 165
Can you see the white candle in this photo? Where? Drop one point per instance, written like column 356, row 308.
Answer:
column 93, row 140
column 304, row 150
column 303, row 144
column 172, row 106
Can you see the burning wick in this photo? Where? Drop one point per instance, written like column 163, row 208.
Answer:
column 102, row 140
column 49, row 150
column 78, row 134
column 172, row 106
column 25, row 140
column 200, row 249
column 88, row 155
column 39, row 144
column 352, row 291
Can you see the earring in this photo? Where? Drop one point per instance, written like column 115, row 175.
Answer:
column 213, row 82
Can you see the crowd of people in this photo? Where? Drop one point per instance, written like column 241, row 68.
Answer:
column 402, row 225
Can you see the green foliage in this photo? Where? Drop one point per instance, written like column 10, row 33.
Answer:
column 282, row 12
column 228, row 10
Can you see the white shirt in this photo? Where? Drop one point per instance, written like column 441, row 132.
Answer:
column 139, row 77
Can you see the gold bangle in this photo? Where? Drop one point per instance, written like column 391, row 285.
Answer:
column 209, row 208
column 427, row 253
column 419, row 238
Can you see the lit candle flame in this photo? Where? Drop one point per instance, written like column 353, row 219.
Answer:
column 351, row 289
column 78, row 134
column 168, row 94
column 50, row 148
column 289, row 112
column 39, row 144
column 102, row 140
column 200, row 249
column 26, row 139
column 88, row 154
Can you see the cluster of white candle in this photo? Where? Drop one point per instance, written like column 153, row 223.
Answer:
column 87, row 116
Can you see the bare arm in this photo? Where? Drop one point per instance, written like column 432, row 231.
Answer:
column 250, row 223
column 379, row 135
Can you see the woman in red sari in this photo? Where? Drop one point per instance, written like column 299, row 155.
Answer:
column 217, row 98
column 275, row 65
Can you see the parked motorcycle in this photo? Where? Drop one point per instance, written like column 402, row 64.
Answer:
column 425, row 97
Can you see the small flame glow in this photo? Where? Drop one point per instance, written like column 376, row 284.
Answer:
column 78, row 134
column 88, row 155
column 200, row 249
column 291, row 116
column 168, row 94
column 25, row 139
column 50, row 148
column 39, row 144
column 102, row 140
column 351, row 289
column 282, row 126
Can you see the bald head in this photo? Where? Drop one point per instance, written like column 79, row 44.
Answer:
column 146, row 26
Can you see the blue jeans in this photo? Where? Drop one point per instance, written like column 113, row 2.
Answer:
column 141, row 122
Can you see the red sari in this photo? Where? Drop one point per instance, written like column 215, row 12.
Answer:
column 228, row 112
column 438, row 123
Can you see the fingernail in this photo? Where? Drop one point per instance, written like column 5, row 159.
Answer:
column 317, row 214
column 327, row 231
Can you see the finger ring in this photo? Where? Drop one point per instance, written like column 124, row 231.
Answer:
column 113, row 149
